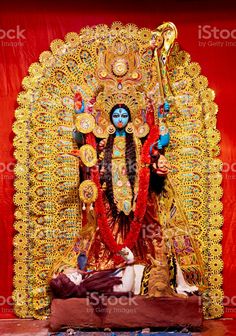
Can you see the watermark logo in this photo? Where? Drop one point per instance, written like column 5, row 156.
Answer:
column 7, row 170
column 13, row 37
column 103, row 304
column 94, row 299
column 213, row 36
column 228, row 302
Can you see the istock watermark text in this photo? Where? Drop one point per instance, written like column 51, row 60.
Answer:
column 12, row 37
column 213, row 36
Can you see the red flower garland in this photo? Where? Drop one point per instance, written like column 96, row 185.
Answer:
column 144, row 176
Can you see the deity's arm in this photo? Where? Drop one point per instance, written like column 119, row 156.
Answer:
column 79, row 108
column 159, row 164
column 164, row 137
column 79, row 138
column 163, row 140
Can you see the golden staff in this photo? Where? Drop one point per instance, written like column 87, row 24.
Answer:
column 162, row 40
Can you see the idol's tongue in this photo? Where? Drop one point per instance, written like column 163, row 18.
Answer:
column 120, row 124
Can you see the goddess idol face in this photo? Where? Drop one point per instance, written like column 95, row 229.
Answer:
column 120, row 117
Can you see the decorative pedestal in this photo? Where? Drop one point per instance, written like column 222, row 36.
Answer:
column 133, row 312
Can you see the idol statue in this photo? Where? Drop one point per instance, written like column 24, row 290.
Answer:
column 121, row 137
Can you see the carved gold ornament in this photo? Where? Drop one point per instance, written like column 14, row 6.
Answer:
column 120, row 67
column 88, row 155
column 88, row 192
column 85, row 123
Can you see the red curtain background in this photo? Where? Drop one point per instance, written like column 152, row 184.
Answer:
column 38, row 24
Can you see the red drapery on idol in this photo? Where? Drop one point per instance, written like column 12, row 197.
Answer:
column 27, row 29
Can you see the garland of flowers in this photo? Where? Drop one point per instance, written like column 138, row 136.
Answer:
column 144, row 177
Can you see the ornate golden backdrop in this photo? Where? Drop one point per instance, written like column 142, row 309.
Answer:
column 48, row 214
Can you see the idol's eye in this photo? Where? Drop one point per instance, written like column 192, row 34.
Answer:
column 124, row 115
column 116, row 115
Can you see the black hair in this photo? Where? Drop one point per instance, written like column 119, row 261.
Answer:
column 130, row 157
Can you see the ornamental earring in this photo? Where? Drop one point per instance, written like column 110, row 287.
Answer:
column 129, row 128
column 111, row 129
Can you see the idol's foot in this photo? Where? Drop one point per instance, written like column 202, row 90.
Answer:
column 128, row 256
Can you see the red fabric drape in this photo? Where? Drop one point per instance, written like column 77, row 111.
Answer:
column 39, row 24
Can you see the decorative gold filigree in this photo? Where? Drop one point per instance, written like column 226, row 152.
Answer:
column 195, row 170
